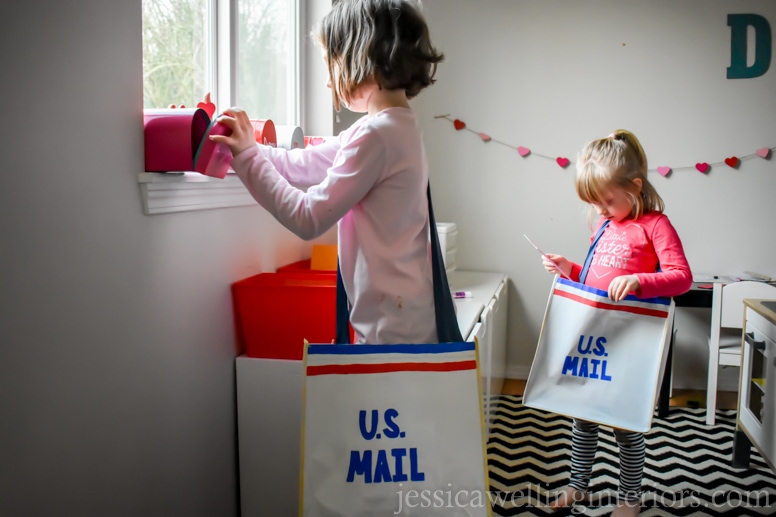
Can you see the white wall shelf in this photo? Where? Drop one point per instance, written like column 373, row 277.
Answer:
column 167, row 192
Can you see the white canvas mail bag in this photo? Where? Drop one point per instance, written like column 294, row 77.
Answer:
column 600, row 360
column 393, row 430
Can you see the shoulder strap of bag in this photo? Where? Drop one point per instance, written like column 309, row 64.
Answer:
column 589, row 258
column 444, row 307
column 342, row 333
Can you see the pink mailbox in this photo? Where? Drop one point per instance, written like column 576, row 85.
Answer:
column 176, row 140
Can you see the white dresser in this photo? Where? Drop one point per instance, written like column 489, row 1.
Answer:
column 484, row 316
column 269, row 398
column 756, row 423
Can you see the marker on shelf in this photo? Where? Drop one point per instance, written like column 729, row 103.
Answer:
column 462, row 294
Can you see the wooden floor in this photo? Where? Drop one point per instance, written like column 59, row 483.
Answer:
column 681, row 398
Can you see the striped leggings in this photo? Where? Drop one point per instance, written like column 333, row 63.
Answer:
column 584, row 442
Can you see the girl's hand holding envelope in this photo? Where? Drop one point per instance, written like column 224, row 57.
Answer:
column 553, row 263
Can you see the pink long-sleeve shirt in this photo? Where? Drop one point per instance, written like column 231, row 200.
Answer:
column 371, row 181
column 637, row 247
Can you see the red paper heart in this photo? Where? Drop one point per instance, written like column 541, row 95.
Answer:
column 458, row 124
column 208, row 106
column 702, row 167
column 563, row 162
column 732, row 161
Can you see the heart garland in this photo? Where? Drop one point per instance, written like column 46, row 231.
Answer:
column 703, row 167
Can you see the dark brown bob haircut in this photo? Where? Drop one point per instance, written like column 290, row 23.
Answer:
column 386, row 41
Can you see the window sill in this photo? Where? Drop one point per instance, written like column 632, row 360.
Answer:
column 167, row 192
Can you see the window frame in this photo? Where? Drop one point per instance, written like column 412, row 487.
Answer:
column 168, row 192
column 224, row 46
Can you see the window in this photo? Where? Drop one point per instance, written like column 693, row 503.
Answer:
column 243, row 52
column 267, row 85
column 178, row 56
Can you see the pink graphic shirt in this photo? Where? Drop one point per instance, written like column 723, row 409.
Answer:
column 638, row 247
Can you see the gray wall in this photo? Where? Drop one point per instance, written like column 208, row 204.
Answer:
column 117, row 393
column 552, row 75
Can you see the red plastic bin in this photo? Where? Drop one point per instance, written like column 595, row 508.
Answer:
column 275, row 312
column 303, row 266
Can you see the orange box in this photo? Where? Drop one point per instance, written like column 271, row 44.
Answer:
column 324, row 257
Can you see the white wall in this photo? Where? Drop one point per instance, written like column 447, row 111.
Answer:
column 552, row 75
column 116, row 340
column 117, row 350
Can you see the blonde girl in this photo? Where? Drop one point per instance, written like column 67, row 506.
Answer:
column 636, row 251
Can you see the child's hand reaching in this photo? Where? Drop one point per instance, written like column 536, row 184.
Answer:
column 556, row 264
column 622, row 285
column 242, row 137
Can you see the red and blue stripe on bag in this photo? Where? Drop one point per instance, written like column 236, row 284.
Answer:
column 367, row 359
column 599, row 299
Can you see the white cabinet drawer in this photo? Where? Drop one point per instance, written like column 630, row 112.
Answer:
column 757, row 391
column 760, row 324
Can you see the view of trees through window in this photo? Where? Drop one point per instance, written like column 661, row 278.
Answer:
column 265, row 60
column 176, row 57
column 178, row 64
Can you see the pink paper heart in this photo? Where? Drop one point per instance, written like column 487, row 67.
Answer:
column 764, row 152
column 524, row 151
column 664, row 171
column 485, row 138
column 563, row 162
column 702, row 167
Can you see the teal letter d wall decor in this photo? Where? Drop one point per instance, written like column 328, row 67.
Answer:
column 762, row 52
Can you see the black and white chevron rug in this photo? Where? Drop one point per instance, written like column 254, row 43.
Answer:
column 687, row 472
